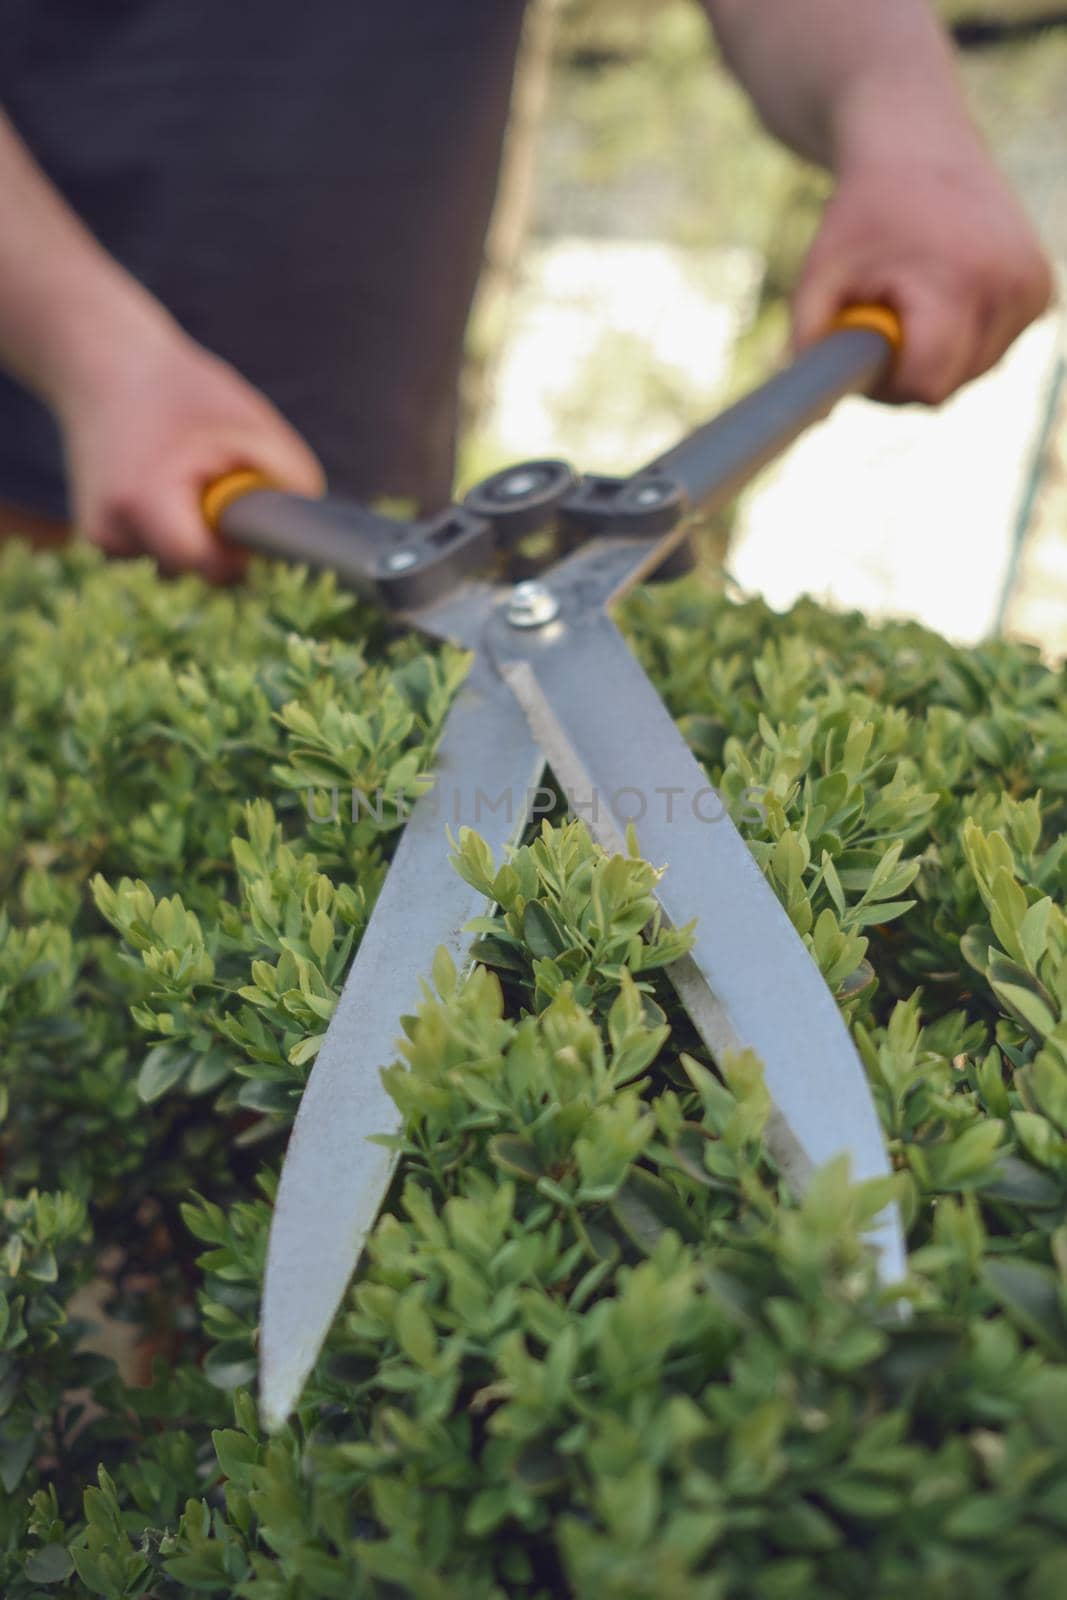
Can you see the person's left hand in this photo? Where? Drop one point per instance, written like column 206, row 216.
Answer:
column 940, row 238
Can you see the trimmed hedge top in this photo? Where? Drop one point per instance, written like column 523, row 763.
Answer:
column 595, row 1348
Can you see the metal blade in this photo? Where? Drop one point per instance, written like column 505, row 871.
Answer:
column 333, row 1181
column 749, row 981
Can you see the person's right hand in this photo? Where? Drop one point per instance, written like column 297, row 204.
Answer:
column 154, row 424
column 936, row 234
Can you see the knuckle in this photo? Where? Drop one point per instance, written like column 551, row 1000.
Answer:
column 100, row 536
column 1020, row 279
column 932, row 374
column 105, row 537
column 126, row 511
column 1037, row 283
column 937, row 389
column 929, row 388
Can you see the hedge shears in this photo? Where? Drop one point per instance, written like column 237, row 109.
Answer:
column 553, row 684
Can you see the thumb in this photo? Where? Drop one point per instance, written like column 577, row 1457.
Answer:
column 271, row 448
column 173, row 528
column 819, row 296
column 279, row 452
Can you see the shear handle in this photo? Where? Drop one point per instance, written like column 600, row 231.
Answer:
column 405, row 565
column 713, row 463
column 393, row 564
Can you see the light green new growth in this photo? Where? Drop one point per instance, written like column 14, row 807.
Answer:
column 595, row 1349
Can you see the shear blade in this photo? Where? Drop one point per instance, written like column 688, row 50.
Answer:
column 749, row 981
column 333, row 1181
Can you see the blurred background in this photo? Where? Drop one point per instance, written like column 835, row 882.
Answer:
column 645, row 240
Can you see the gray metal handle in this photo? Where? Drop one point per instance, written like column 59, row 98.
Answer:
column 713, row 463
column 405, row 565
column 392, row 564
column 347, row 538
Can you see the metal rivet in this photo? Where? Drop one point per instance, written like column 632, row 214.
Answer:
column 520, row 483
column 650, row 494
column 531, row 605
column 401, row 560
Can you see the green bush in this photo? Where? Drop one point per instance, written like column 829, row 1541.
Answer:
column 595, row 1349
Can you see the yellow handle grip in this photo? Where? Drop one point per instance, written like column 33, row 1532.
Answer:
column 878, row 318
column 222, row 492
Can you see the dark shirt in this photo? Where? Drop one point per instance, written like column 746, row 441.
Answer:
column 305, row 186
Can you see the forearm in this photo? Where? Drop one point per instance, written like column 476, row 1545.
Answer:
column 67, row 309
column 847, row 82
column 920, row 218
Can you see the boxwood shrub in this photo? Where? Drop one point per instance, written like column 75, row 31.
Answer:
column 595, row 1349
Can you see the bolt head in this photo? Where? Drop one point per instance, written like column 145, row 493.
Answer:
column 649, row 495
column 520, row 483
column 531, row 605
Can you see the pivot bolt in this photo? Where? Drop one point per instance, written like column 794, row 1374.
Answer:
column 650, row 494
column 520, row 483
column 401, row 560
column 531, row 605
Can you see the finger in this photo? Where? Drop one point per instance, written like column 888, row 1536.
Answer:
column 288, row 459
column 174, row 530
column 266, row 442
column 940, row 339
column 107, row 532
column 818, row 297
column 286, row 462
column 280, row 453
column 997, row 330
column 824, row 293
column 939, row 352
column 113, row 542
column 1008, row 306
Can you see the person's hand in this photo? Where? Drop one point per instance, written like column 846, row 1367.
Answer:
column 938, row 236
column 149, row 429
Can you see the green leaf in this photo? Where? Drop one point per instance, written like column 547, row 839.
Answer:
column 645, row 1208
column 540, row 1469
column 517, row 1157
column 493, row 952
column 1029, row 1292
column 415, row 1333
column 16, row 1453
column 275, row 1099
column 1033, row 931
column 320, row 935
column 235, row 1453
column 163, row 1067
column 51, row 1564
column 595, row 1343
column 976, row 946
column 963, row 1160
column 97, row 1575
column 1029, row 1007
column 860, row 978
column 540, row 932
column 1020, row 1184
column 306, row 1050
column 864, row 1499
column 229, row 1365
column 878, row 915
column 444, row 972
